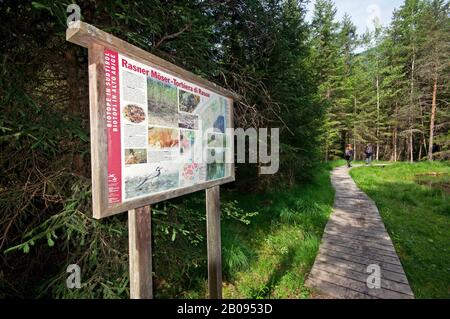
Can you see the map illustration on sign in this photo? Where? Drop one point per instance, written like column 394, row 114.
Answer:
column 171, row 133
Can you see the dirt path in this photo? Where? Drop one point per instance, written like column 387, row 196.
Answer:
column 355, row 239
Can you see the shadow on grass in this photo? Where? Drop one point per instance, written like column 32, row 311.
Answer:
column 284, row 265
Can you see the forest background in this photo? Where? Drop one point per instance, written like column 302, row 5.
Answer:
column 304, row 77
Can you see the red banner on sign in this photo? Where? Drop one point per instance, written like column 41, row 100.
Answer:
column 113, row 126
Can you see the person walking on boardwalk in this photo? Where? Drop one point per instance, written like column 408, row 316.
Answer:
column 349, row 155
column 369, row 154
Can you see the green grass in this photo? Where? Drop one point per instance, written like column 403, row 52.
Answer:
column 417, row 217
column 271, row 257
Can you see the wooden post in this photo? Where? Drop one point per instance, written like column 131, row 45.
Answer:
column 214, row 242
column 99, row 140
column 140, row 253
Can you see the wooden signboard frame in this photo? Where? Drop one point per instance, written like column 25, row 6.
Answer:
column 97, row 41
column 139, row 211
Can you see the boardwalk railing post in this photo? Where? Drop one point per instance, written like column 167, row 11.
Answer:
column 140, row 253
column 214, row 242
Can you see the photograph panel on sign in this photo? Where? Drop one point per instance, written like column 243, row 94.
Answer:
column 188, row 121
column 215, row 163
column 162, row 103
column 217, row 140
column 163, row 144
column 135, row 156
column 187, row 101
column 151, row 179
column 133, row 113
column 187, row 146
column 163, row 138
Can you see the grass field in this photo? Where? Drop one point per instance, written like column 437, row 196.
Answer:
column 414, row 202
column 271, row 257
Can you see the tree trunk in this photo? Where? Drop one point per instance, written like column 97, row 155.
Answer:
column 433, row 118
column 395, row 133
column 394, row 144
column 411, row 147
column 386, row 146
column 425, row 148
column 378, row 118
column 354, row 132
column 411, row 105
column 420, row 151
column 423, row 143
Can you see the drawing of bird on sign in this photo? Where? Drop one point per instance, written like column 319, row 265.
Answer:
column 152, row 177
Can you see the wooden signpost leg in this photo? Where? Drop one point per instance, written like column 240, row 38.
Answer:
column 214, row 242
column 140, row 253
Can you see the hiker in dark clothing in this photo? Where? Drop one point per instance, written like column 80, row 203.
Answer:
column 349, row 155
column 369, row 154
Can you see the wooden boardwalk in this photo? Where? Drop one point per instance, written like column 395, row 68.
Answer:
column 354, row 238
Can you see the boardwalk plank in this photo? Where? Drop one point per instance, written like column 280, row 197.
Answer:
column 357, row 235
column 365, row 260
column 354, row 238
column 355, row 243
column 358, row 286
column 346, row 247
column 362, row 256
column 390, row 275
column 362, row 277
column 359, row 223
column 336, row 291
column 333, row 226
